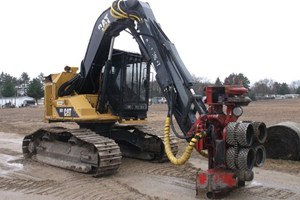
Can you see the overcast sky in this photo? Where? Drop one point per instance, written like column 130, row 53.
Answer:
column 259, row 38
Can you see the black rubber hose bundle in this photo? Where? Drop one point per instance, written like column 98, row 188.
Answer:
column 68, row 87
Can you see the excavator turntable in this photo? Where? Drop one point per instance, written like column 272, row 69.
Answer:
column 108, row 99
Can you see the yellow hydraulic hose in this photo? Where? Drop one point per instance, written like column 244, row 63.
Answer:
column 120, row 14
column 188, row 150
column 204, row 154
column 133, row 17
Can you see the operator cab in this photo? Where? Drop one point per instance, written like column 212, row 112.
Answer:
column 128, row 87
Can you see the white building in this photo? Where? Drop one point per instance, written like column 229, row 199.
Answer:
column 17, row 101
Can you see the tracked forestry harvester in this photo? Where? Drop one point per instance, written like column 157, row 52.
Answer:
column 108, row 99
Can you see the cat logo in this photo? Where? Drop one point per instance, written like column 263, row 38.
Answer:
column 104, row 24
column 66, row 112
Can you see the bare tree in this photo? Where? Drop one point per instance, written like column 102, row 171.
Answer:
column 23, row 81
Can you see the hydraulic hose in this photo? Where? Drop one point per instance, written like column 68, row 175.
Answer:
column 204, row 154
column 117, row 12
column 188, row 150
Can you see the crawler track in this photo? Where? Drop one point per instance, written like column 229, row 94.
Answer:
column 155, row 133
column 80, row 150
column 142, row 142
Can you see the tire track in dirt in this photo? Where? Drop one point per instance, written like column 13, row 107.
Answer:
column 263, row 192
column 23, row 185
column 39, row 179
column 186, row 171
column 83, row 186
column 79, row 188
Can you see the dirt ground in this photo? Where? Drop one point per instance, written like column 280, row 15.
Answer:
column 23, row 179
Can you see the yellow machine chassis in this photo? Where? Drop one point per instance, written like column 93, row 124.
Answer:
column 75, row 107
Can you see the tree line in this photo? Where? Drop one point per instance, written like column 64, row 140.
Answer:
column 258, row 89
column 11, row 86
column 24, row 86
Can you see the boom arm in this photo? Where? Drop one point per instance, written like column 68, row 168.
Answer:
column 172, row 75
